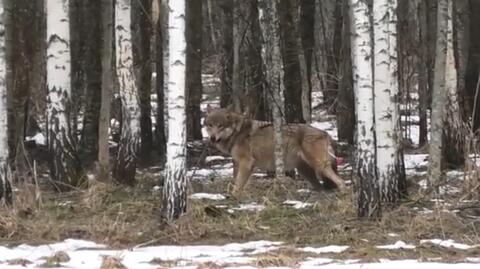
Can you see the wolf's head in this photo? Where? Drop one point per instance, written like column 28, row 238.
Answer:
column 221, row 123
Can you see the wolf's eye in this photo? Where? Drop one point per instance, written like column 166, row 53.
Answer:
column 220, row 126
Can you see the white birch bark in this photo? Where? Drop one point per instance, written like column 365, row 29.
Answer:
column 272, row 59
column 455, row 128
column 387, row 122
column 174, row 190
column 5, row 184
column 125, row 166
column 368, row 203
column 438, row 95
column 63, row 166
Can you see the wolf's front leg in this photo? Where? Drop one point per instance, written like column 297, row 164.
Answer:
column 244, row 170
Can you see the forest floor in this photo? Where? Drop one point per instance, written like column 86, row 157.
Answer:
column 278, row 224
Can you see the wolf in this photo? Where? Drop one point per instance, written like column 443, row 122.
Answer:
column 251, row 145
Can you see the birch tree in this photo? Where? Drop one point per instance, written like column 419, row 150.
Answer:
column 438, row 95
column 454, row 132
column 361, row 49
column 272, row 59
column 389, row 156
column 126, row 160
column 5, row 185
column 174, row 190
column 64, row 165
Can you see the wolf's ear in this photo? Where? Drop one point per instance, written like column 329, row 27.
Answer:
column 209, row 109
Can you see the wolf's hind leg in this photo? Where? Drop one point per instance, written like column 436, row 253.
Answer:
column 316, row 155
column 309, row 173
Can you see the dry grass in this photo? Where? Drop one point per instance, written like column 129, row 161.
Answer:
column 111, row 262
column 119, row 217
column 56, row 260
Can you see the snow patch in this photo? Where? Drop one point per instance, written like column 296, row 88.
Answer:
column 248, row 207
column 447, row 243
column 39, row 139
column 297, row 204
column 327, row 249
column 214, row 158
column 413, row 161
column 207, row 196
column 397, row 245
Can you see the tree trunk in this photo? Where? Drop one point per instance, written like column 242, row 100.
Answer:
column 438, row 95
column 160, row 29
column 238, row 69
column 453, row 132
column 346, row 102
column 5, row 183
column 126, row 160
column 175, row 186
column 103, row 168
column 461, row 32
column 289, row 53
column 93, row 79
column 194, row 69
column 367, row 181
column 389, row 156
column 19, row 49
column 307, row 22
column 64, row 164
column 226, row 59
column 256, row 104
column 304, row 82
column 422, row 70
column 473, row 65
column 272, row 59
column 431, row 41
column 78, row 52
column 141, row 33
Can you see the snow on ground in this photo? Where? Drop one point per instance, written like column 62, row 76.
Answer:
column 327, row 126
column 248, row 207
column 397, row 245
column 297, row 204
column 327, row 249
column 84, row 254
column 400, row 264
column 447, row 244
column 39, row 139
column 208, row 196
